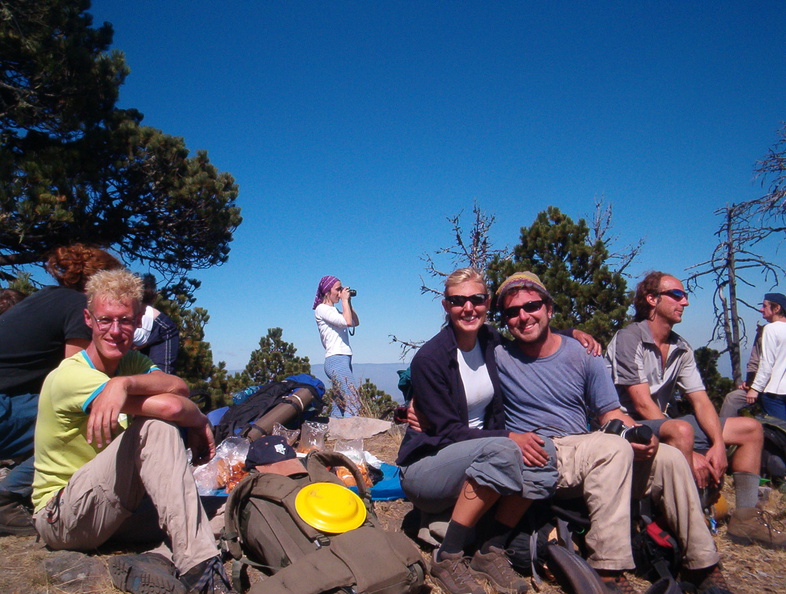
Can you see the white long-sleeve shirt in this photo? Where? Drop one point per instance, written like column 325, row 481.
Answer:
column 771, row 375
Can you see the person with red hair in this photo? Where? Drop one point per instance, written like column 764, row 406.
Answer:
column 35, row 335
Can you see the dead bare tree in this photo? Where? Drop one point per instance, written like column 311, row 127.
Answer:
column 731, row 265
column 772, row 206
column 745, row 227
column 601, row 231
column 473, row 250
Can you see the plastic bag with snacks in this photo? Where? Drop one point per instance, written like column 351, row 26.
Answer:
column 226, row 468
column 352, row 449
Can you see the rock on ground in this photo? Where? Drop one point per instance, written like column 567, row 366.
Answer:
column 356, row 428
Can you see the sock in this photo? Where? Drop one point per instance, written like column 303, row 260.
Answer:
column 746, row 489
column 499, row 534
column 456, row 537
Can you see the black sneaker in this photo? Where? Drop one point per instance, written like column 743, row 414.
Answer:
column 709, row 579
column 148, row 573
column 615, row 581
column 207, row 577
column 15, row 518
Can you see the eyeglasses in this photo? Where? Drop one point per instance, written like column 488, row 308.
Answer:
column 676, row 294
column 530, row 307
column 460, row 300
column 105, row 323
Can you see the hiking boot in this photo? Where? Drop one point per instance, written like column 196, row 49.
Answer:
column 207, row 577
column 752, row 525
column 706, row 580
column 15, row 518
column 615, row 581
column 496, row 568
column 148, row 573
column 454, row 575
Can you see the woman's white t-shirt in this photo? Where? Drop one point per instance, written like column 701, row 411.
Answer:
column 477, row 384
column 332, row 330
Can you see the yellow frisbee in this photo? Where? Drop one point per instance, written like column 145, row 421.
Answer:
column 330, row 507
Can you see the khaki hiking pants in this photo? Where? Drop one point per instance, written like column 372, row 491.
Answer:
column 100, row 499
column 600, row 467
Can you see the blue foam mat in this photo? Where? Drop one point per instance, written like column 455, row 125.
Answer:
column 389, row 487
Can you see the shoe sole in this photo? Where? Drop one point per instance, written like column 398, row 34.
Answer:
column 143, row 578
column 494, row 584
column 18, row 531
column 445, row 587
column 747, row 540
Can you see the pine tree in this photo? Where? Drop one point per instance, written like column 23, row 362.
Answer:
column 75, row 168
column 274, row 360
column 717, row 386
column 587, row 293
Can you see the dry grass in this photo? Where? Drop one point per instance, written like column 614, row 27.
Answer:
column 749, row 570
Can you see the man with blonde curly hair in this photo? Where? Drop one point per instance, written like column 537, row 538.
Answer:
column 95, row 480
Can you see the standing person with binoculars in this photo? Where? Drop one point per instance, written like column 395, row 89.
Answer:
column 334, row 325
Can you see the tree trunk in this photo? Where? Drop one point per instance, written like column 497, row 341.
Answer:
column 730, row 310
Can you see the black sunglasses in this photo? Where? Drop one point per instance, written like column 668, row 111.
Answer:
column 460, row 300
column 676, row 294
column 529, row 307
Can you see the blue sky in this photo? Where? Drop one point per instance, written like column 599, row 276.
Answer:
column 354, row 129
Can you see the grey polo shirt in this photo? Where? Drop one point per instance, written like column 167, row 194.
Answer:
column 634, row 358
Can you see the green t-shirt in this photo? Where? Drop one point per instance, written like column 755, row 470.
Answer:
column 61, row 446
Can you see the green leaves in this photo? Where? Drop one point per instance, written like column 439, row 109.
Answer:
column 77, row 169
column 587, row 293
column 274, row 360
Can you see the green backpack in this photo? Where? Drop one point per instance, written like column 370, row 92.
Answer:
column 263, row 530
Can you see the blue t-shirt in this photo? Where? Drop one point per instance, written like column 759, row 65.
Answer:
column 555, row 395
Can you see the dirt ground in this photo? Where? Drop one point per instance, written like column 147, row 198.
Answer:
column 748, row 570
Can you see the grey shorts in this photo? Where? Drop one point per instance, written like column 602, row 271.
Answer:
column 701, row 443
column 434, row 482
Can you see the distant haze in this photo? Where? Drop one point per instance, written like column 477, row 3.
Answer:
column 382, row 375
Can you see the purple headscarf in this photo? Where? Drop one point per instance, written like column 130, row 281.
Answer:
column 325, row 284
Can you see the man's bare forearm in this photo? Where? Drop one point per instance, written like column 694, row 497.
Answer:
column 642, row 400
column 706, row 416
column 155, row 382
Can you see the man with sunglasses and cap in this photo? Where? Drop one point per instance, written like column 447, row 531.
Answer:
column 650, row 364
column 553, row 388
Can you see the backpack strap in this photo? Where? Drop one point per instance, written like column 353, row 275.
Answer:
column 230, row 535
column 533, row 556
column 318, row 461
column 291, row 548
